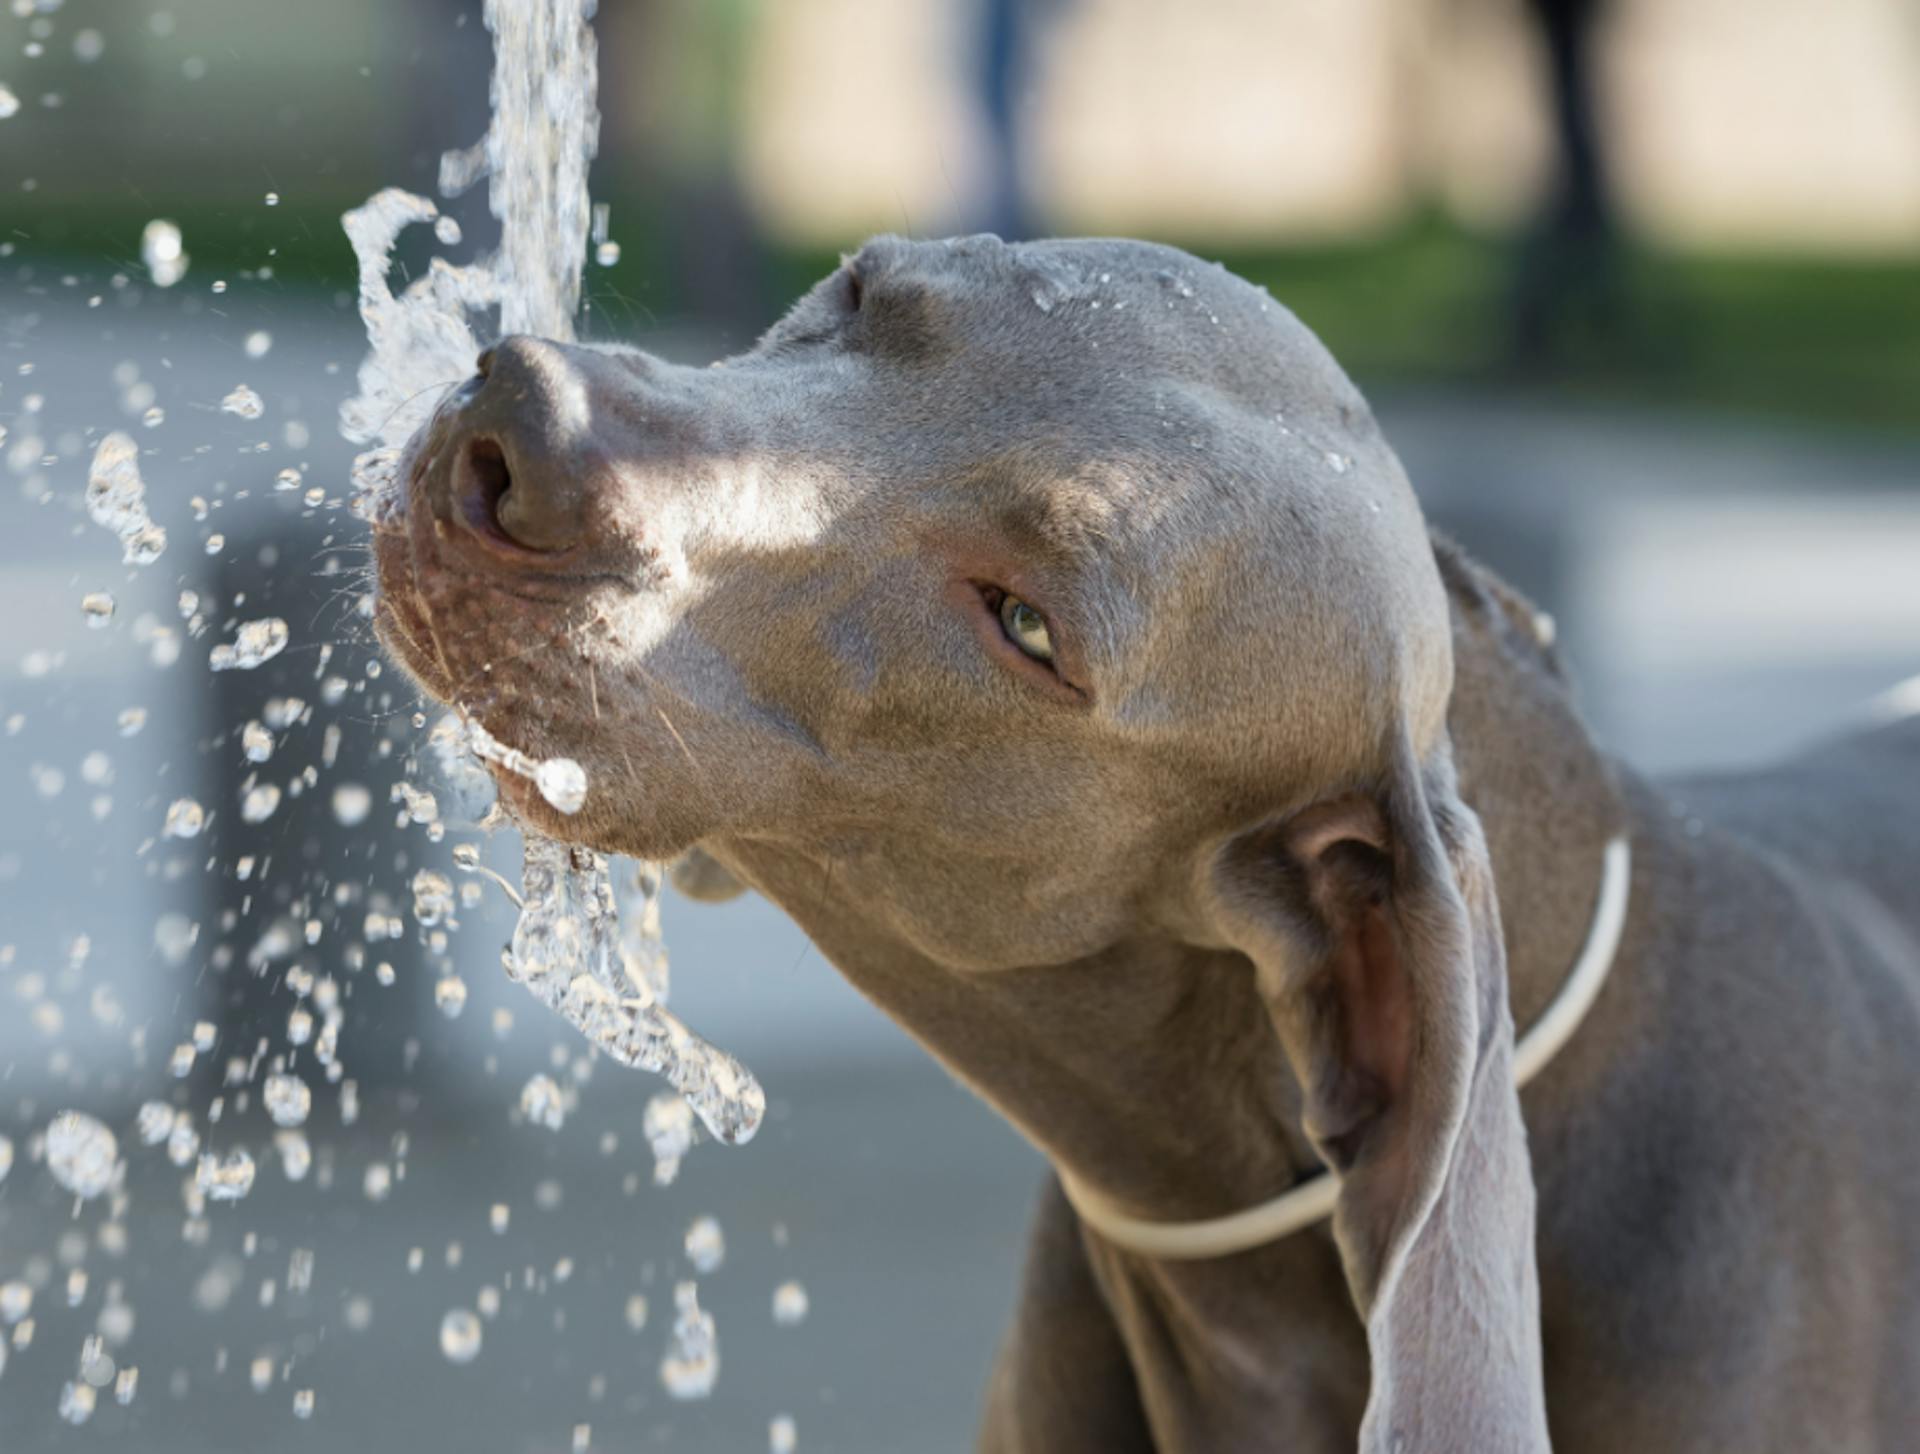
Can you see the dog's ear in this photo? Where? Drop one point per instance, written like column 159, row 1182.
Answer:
column 1373, row 925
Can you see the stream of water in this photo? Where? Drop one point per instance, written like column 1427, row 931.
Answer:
column 567, row 949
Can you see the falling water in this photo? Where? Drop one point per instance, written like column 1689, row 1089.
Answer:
column 569, row 949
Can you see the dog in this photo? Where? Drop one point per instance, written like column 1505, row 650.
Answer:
column 1050, row 631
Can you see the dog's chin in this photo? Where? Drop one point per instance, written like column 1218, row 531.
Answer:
column 523, row 698
column 605, row 822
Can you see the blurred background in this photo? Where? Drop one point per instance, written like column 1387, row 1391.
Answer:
column 1634, row 285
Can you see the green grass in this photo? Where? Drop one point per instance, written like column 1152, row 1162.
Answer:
column 1829, row 340
column 1825, row 340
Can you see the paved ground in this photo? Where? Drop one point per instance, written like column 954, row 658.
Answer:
column 1726, row 590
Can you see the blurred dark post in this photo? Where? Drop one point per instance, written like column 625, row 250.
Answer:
column 1003, row 46
column 1003, row 74
column 315, row 885
column 1567, row 270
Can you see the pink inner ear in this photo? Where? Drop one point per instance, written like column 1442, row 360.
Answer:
column 1376, row 1000
column 1367, row 992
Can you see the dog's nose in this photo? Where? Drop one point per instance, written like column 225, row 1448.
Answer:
column 521, row 468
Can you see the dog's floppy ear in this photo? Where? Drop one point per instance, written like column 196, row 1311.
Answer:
column 1372, row 923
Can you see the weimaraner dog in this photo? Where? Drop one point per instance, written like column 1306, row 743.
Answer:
column 1050, row 631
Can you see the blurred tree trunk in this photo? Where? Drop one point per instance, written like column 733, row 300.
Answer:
column 1566, row 274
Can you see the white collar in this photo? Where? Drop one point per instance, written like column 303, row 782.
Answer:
column 1310, row 1201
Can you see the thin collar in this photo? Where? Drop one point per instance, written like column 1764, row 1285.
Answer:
column 1310, row 1201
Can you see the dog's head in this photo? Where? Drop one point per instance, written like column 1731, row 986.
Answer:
column 1056, row 593
column 1007, row 570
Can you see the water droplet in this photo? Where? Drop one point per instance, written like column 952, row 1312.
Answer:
column 782, row 1435
column 272, row 199
column 155, row 1122
column 183, row 1142
column 254, row 643
column 790, row 1304
column 706, row 1246
column 9, row 103
column 288, row 1099
column 125, row 1384
column 563, row 783
column 185, row 818
column 288, row 479
column 130, row 720
column 96, row 1364
column 258, row 343
column 225, row 1179
column 259, row 803
column 303, row 1404
column 82, row 1154
column 77, row 1400
column 97, row 607
column 351, row 804
column 450, row 994
column 244, row 402
column 668, row 1127
column 460, row 1335
column 636, row 1312
column 693, row 1361
column 296, row 1155
column 447, row 230
column 256, row 742
column 162, row 251
column 432, row 897
column 607, row 254
column 542, row 1103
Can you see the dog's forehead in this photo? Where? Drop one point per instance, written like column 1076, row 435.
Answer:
column 1134, row 315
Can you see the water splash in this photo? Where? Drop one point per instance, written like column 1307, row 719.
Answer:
column 117, row 499
column 544, row 132
column 566, row 951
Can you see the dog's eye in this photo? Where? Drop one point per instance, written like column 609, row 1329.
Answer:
column 1026, row 628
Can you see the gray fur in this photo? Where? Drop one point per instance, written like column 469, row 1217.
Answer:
column 1222, row 902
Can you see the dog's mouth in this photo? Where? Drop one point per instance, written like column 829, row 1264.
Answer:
column 479, row 619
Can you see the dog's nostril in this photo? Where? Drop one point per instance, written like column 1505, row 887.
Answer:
column 490, row 480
